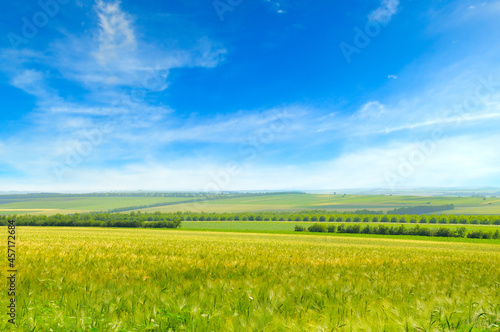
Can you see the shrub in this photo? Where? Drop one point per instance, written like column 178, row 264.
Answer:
column 300, row 228
column 474, row 235
column 444, row 232
column 354, row 229
column 331, row 228
column 424, row 232
column 317, row 228
column 461, row 231
column 485, row 235
column 366, row 230
column 381, row 229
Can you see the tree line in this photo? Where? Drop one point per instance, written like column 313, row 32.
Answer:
column 97, row 218
column 399, row 230
column 131, row 220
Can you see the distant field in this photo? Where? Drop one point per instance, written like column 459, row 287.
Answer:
column 7, row 212
column 67, row 205
column 281, row 202
column 95, row 279
column 463, row 205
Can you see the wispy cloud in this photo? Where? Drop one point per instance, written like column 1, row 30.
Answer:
column 278, row 6
column 116, row 34
column 385, row 12
column 116, row 68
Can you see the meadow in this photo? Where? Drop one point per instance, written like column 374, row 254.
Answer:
column 112, row 279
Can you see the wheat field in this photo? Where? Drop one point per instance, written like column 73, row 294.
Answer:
column 93, row 279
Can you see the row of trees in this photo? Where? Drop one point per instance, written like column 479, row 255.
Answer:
column 399, row 230
column 307, row 215
column 302, row 216
column 93, row 220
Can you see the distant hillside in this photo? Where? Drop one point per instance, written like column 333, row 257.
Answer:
column 421, row 209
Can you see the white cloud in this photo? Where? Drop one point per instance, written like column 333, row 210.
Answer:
column 30, row 81
column 384, row 13
column 116, row 34
column 370, row 110
column 455, row 161
column 115, row 56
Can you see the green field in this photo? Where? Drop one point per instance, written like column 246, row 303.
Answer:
column 95, row 279
column 287, row 227
column 463, row 205
column 279, row 202
column 65, row 205
column 8, row 212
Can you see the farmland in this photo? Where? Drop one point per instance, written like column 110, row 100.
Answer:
column 69, row 204
column 48, row 205
column 463, row 205
column 94, row 279
column 245, row 268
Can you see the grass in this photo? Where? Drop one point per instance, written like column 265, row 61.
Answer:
column 88, row 279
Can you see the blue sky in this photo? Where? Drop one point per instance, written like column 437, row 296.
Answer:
column 249, row 95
